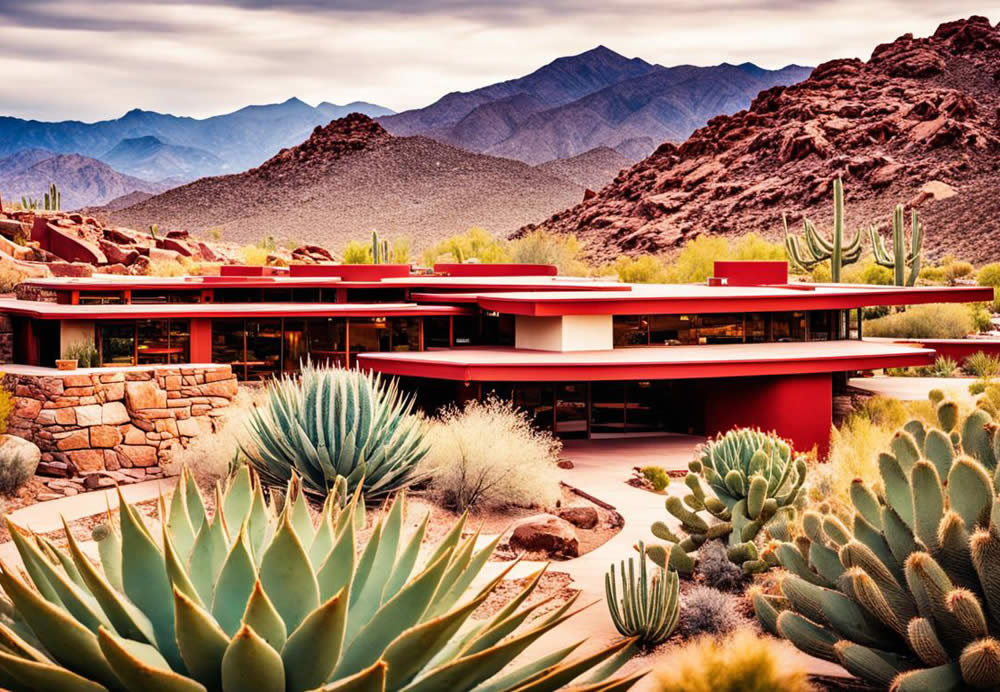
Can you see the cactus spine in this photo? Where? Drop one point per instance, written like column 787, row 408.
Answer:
column 900, row 259
column 813, row 249
column 909, row 597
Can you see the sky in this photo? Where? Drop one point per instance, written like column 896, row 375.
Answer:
column 96, row 59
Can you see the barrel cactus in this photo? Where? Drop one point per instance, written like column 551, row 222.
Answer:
column 754, row 481
column 334, row 422
column 645, row 608
column 906, row 593
column 252, row 599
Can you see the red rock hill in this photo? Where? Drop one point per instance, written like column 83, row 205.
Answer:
column 914, row 124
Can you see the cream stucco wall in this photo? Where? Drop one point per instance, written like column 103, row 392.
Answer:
column 567, row 333
column 72, row 332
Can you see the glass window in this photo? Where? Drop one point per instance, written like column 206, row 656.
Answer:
column 536, row 401
column 672, row 330
column 404, row 333
column 630, row 330
column 117, row 343
column 571, row 409
column 788, row 326
column 607, row 407
column 276, row 295
column 160, row 297
column 229, row 345
column 437, row 332
column 757, row 327
column 96, row 298
column 294, row 348
column 263, row 348
column 820, row 326
column 498, row 330
column 376, row 295
column 366, row 334
column 725, row 328
column 153, row 344
column 466, row 330
column 328, row 340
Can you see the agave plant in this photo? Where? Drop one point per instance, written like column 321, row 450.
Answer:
column 334, row 422
column 755, row 481
column 254, row 600
column 906, row 593
column 645, row 609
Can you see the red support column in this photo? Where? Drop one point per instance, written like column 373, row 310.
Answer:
column 796, row 407
column 201, row 341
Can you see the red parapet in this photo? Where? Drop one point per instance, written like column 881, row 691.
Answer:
column 251, row 270
column 751, row 272
column 476, row 269
column 351, row 272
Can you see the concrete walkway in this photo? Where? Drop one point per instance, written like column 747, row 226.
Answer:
column 915, row 388
column 43, row 517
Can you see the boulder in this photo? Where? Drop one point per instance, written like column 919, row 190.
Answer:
column 18, row 458
column 582, row 516
column 545, row 533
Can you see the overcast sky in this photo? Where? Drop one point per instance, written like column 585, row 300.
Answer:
column 94, row 59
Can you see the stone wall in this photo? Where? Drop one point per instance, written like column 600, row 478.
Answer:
column 116, row 424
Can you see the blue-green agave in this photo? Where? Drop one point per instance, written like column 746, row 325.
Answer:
column 251, row 599
column 334, row 422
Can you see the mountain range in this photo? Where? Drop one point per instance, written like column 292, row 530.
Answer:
column 915, row 124
column 351, row 177
column 184, row 148
column 595, row 99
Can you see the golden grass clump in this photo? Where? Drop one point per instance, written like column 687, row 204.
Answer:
column 743, row 661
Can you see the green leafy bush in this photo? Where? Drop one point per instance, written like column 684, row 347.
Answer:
column 739, row 662
column 542, row 247
column 476, row 244
column 332, row 422
column 357, row 253
column 657, row 477
column 933, row 321
column 644, row 608
column 645, row 269
column 903, row 593
column 84, row 353
column 253, row 599
column 488, row 455
column 982, row 318
column 980, row 364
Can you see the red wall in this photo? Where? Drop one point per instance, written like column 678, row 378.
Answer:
column 797, row 407
column 508, row 269
column 201, row 341
column 751, row 272
column 352, row 272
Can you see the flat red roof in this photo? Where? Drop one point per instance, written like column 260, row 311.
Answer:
column 58, row 311
column 698, row 298
column 647, row 362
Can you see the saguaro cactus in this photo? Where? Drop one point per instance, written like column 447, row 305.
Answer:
column 53, row 198
column 900, row 259
column 813, row 249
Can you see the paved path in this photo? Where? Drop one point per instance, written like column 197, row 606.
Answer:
column 43, row 517
column 915, row 388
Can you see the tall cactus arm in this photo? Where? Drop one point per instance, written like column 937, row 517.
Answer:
column 797, row 255
column 879, row 250
column 898, row 244
column 916, row 246
column 852, row 251
column 818, row 245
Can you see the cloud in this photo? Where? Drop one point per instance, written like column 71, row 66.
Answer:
column 97, row 59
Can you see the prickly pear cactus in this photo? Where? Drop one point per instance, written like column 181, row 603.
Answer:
column 908, row 595
column 754, row 481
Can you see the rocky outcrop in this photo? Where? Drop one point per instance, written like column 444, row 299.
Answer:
column 920, row 110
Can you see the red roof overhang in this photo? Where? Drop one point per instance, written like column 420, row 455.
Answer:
column 647, row 363
column 720, row 299
column 59, row 311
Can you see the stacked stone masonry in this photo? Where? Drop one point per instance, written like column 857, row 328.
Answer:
column 116, row 425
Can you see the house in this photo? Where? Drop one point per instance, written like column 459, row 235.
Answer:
column 583, row 357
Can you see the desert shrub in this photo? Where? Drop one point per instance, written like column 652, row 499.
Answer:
column 989, row 275
column 978, row 387
column 943, row 367
column 213, row 454
column 253, row 255
column 989, row 400
column 716, row 569
column 934, row 321
column 356, row 252
column 705, row 610
column 936, row 395
column 6, row 406
column 402, row 251
column 696, row 261
column 17, row 465
column 476, row 244
column 657, row 476
column 982, row 318
column 543, row 247
column 932, row 275
column 644, row 269
column 741, row 662
column 753, row 246
column 980, row 364
column 182, row 266
column 854, row 450
column 85, row 354
column 957, row 269
column 488, row 454
column 820, row 274
column 864, row 272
